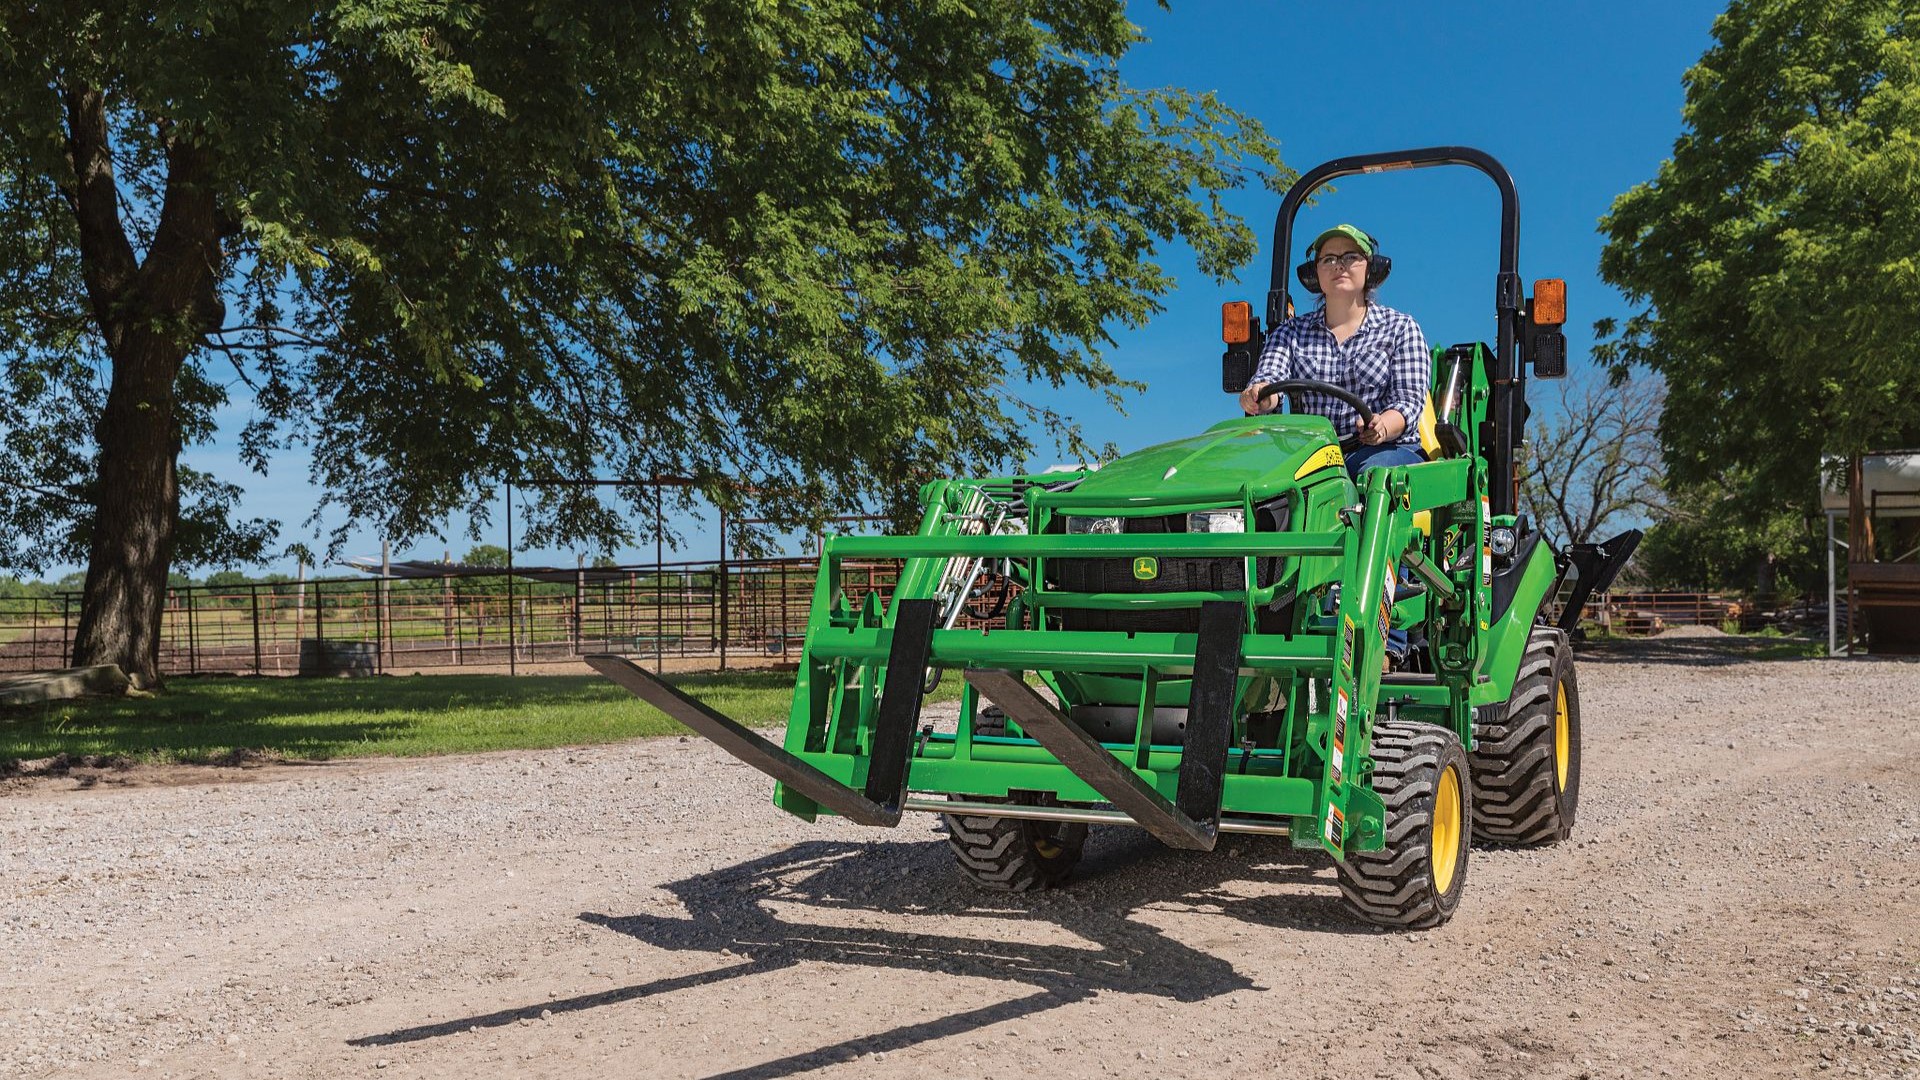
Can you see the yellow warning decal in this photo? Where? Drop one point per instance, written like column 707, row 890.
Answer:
column 1323, row 458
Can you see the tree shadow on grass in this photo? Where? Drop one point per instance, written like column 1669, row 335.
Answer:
column 751, row 918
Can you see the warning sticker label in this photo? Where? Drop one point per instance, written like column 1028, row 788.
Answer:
column 1486, row 546
column 1346, row 646
column 1337, row 742
column 1336, row 828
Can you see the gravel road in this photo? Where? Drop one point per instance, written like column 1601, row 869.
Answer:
column 1739, row 899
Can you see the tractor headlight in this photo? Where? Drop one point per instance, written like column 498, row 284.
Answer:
column 1217, row 521
column 1501, row 540
column 1080, row 526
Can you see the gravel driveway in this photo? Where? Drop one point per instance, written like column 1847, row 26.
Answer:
column 1742, row 897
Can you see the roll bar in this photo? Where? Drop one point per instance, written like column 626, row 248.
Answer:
column 1507, row 409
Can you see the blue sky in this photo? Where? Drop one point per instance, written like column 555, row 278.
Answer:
column 1579, row 100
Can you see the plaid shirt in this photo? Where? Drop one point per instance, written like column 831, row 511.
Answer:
column 1386, row 364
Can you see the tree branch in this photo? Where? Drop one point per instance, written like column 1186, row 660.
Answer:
column 107, row 262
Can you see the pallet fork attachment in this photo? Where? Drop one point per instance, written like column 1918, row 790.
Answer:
column 1595, row 566
column 1193, row 822
column 886, row 792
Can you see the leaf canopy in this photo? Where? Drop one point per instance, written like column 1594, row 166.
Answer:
column 808, row 255
column 1777, row 252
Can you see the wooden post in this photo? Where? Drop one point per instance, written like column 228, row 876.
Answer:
column 253, row 601
column 723, row 588
column 447, row 624
column 383, row 618
column 193, row 645
column 659, row 557
column 511, row 659
column 1859, row 539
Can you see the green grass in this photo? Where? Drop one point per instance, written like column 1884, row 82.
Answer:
column 222, row 719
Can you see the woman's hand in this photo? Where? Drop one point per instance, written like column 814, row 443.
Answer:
column 1250, row 402
column 1387, row 426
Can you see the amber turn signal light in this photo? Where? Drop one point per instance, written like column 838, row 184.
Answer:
column 1549, row 302
column 1235, row 317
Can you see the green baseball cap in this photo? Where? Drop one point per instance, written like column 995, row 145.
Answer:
column 1351, row 232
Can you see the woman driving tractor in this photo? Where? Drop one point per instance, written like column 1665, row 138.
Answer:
column 1351, row 341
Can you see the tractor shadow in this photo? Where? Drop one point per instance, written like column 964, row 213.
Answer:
column 791, row 907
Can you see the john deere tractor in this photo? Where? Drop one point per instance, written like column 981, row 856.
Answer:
column 1193, row 639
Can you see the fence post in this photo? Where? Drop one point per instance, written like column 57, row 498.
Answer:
column 723, row 609
column 579, row 593
column 253, row 597
column 193, row 651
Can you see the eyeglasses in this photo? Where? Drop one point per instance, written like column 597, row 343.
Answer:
column 1344, row 262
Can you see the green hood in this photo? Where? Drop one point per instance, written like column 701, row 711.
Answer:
column 1264, row 451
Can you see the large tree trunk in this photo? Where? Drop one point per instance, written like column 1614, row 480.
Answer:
column 138, row 507
column 150, row 313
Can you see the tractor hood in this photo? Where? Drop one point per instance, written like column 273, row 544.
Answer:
column 1262, row 451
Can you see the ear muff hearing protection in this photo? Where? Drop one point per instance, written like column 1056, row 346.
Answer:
column 1378, row 267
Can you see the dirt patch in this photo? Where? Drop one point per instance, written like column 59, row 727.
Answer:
column 1682, row 632
column 1740, row 898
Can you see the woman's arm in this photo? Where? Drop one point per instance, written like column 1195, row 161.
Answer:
column 1276, row 364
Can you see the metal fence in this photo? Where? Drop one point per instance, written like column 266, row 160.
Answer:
column 696, row 615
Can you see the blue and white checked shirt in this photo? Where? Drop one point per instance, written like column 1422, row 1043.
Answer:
column 1385, row 363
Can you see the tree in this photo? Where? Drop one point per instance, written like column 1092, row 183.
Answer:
column 1777, row 253
column 485, row 555
column 818, row 252
column 1706, row 540
column 1598, row 465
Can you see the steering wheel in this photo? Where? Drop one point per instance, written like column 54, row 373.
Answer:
column 1290, row 386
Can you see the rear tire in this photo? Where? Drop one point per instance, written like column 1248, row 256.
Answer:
column 1415, row 881
column 1526, row 755
column 1011, row 854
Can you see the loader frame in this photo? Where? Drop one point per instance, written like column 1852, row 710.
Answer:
column 1257, row 715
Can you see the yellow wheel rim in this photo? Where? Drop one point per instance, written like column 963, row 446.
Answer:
column 1562, row 734
column 1446, row 829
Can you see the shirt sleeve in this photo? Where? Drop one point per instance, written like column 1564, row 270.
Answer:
column 1276, row 359
column 1410, row 377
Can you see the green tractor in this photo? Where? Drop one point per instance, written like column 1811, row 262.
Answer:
column 1194, row 638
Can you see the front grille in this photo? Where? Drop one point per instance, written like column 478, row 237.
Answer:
column 1175, row 575
column 1116, row 575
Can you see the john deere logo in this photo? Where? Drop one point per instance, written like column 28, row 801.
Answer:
column 1146, row 568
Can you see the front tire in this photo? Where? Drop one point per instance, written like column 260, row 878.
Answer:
column 1526, row 754
column 1420, row 772
column 1012, row 854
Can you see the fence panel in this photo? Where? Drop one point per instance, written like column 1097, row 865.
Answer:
column 697, row 615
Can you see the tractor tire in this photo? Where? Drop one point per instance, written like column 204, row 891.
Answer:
column 1526, row 754
column 1420, row 772
column 1014, row 855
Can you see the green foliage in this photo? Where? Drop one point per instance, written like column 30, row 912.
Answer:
column 14, row 589
column 1777, row 253
column 1708, row 541
column 822, row 251
column 485, row 555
